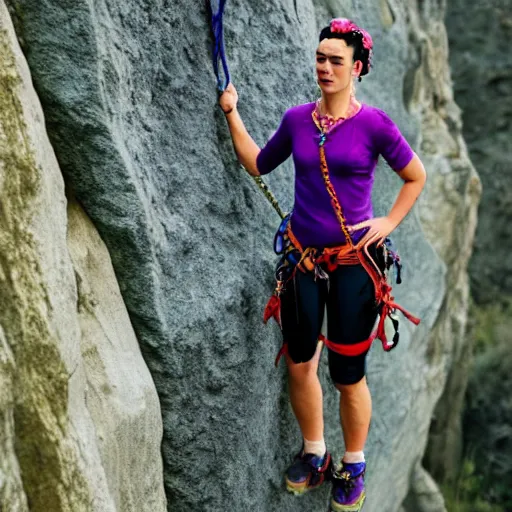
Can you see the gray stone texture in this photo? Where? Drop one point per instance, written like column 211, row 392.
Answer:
column 425, row 495
column 79, row 414
column 120, row 394
column 12, row 495
column 448, row 214
column 130, row 107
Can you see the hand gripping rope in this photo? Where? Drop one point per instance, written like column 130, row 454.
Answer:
column 220, row 61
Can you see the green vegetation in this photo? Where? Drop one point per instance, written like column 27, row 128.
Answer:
column 485, row 480
column 491, row 324
column 467, row 494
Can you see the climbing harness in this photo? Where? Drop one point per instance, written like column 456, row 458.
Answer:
column 221, row 70
column 294, row 258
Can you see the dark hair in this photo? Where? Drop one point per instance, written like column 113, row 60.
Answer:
column 353, row 39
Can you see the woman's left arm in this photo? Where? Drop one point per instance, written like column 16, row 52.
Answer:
column 414, row 177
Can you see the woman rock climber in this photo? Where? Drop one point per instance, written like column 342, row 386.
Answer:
column 335, row 143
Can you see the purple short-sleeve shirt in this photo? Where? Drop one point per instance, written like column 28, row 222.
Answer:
column 352, row 150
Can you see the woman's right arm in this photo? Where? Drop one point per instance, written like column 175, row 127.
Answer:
column 246, row 149
column 257, row 161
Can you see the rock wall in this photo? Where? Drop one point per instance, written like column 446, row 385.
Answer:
column 130, row 107
column 12, row 495
column 80, row 419
column 448, row 211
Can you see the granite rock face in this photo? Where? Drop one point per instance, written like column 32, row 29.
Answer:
column 12, row 495
column 448, row 211
column 80, row 419
column 130, row 106
column 424, row 494
column 120, row 394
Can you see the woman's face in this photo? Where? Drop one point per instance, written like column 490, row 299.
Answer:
column 335, row 68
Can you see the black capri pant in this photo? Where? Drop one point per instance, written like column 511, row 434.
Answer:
column 349, row 295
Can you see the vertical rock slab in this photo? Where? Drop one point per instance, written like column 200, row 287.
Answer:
column 62, row 452
column 479, row 36
column 12, row 495
column 448, row 210
column 119, row 394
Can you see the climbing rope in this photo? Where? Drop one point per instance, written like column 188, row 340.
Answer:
column 219, row 60
column 219, row 54
column 269, row 196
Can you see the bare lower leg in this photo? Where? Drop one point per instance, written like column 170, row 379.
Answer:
column 355, row 413
column 306, row 396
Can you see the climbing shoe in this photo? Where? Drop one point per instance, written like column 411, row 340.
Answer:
column 307, row 472
column 348, row 492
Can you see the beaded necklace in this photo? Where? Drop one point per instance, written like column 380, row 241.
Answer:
column 328, row 122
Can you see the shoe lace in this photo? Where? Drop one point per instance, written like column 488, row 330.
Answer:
column 345, row 480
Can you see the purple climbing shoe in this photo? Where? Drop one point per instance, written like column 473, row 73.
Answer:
column 307, row 472
column 348, row 492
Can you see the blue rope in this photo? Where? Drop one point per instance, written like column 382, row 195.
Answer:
column 219, row 58
column 219, row 54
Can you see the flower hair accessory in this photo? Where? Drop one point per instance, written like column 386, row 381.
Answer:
column 344, row 25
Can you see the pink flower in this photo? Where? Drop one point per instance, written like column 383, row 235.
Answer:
column 367, row 39
column 342, row 25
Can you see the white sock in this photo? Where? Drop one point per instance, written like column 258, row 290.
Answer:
column 353, row 457
column 316, row 447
